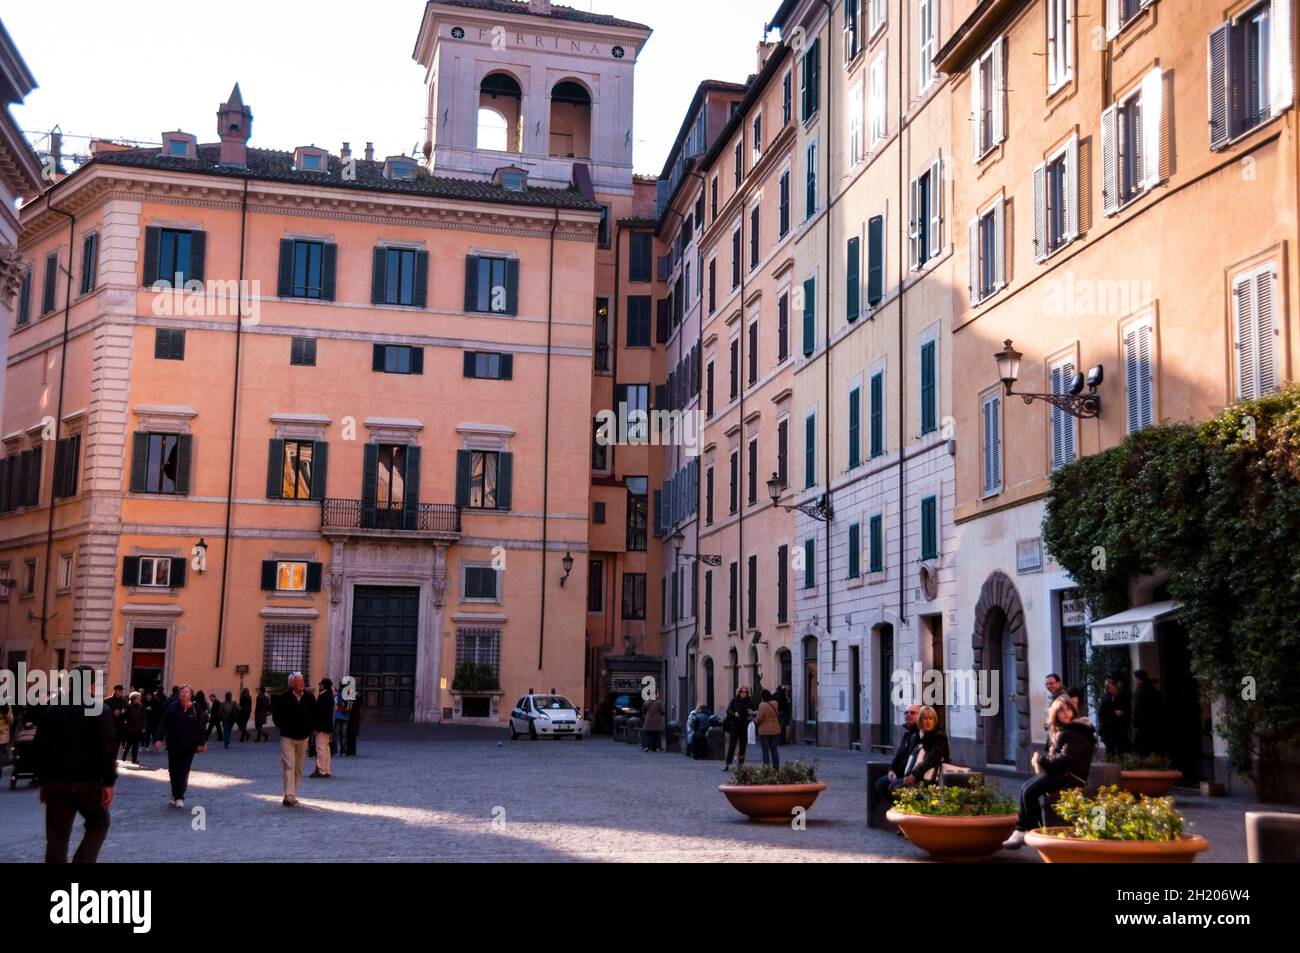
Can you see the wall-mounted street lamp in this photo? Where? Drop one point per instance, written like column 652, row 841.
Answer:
column 820, row 510
column 679, row 538
column 1074, row 402
column 567, row 562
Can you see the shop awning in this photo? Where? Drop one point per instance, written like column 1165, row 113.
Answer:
column 1133, row 625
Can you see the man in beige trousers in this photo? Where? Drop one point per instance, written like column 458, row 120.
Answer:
column 293, row 712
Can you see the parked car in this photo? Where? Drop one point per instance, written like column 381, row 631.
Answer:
column 546, row 716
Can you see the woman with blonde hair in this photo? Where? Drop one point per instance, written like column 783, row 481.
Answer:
column 1064, row 763
column 925, row 763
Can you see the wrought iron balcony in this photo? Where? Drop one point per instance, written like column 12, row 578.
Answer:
column 346, row 516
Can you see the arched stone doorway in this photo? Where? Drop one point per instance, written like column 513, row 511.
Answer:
column 1001, row 646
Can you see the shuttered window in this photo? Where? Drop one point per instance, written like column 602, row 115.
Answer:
column 296, row 469
column 89, row 262
column 810, row 75
column 67, row 459
column 991, row 445
column 810, row 181
column 491, row 285
column 988, row 99
column 853, row 278
column 25, row 299
column 810, row 451
column 307, row 270
column 877, row 414
column 174, row 256
column 782, row 584
column 875, row 260
column 929, row 388
column 169, row 344
column 855, row 427
column 1255, row 332
column 400, row 276
column 855, row 550
column 1056, row 200
column 638, row 321
column 810, row 564
column 809, row 316
column 1132, row 160
column 302, row 352
column 160, row 463
column 489, row 365
column 988, row 253
column 927, row 32
column 640, row 257
column 782, row 327
column 930, row 527
column 876, row 544
column 49, row 294
column 783, row 222
column 1139, row 376
column 1060, row 43
column 1064, row 425
column 397, row 359
column 1250, row 64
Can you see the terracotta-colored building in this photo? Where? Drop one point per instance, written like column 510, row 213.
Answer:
column 354, row 440
column 1126, row 202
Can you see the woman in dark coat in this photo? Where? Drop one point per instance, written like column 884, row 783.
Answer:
column 739, row 713
column 925, row 764
column 245, row 713
column 262, row 710
column 184, row 730
column 1064, row 763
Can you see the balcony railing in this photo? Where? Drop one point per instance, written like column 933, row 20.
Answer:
column 424, row 518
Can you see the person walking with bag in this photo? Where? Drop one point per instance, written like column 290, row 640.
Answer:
column 736, row 725
column 767, row 723
column 1064, row 763
column 184, row 730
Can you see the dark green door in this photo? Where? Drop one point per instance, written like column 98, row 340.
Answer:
column 385, row 637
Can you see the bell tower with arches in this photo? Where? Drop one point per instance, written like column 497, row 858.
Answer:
column 530, row 84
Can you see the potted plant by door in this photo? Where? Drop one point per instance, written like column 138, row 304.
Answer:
column 1153, row 774
column 961, row 823
column 1116, row 826
column 769, row 795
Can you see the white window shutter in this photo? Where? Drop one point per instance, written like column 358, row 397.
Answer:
column 996, row 412
column 1040, row 211
column 1153, row 93
column 1053, row 32
column 1266, row 375
column 1058, row 425
column 913, row 225
column 1110, row 160
column 999, row 90
column 1067, row 37
column 1243, row 321
column 1219, row 96
column 936, row 207
column 976, row 113
column 992, row 445
column 1112, row 19
column 1131, row 380
column 1071, row 189
column 974, row 260
column 1280, row 89
column 999, row 245
column 1145, row 376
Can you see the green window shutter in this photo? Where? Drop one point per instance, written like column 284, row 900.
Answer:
column 268, row 574
column 855, row 427
column 512, row 286
column 421, row 292
column 471, row 283
column 464, row 463
column 928, row 408
column 411, row 495
column 378, row 275
column 505, row 480
column 929, row 529
column 876, row 544
column 507, row 367
column 177, row 578
column 877, row 415
column 471, row 364
column 314, row 577
column 320, row 459
column 284, row 285
column 853, row 277
column 130, row 570
column 810, row 563
column 139, row 461
column 855, row 550
column 184, row 451
column 809, row 316
column 875, row 260
column 152, row 241
column 275, row 471
column 810, row 451
column 329, row 258
column 417, row 360
column 369, row 481
column 377, row 358
column 198, row 256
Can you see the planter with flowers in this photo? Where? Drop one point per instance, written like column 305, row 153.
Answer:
column 1116, row 826
column 954, row 823
column 1153, row 775
column 770, row 795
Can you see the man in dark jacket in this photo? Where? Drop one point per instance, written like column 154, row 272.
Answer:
column 1113, row 715
column 135, row 721
column 76, row 759
column 906, row 745
column 185, row 731
column 294, row 714
column 1148, row 715
column 784, row 710
column 323, row 727
column 116, row 703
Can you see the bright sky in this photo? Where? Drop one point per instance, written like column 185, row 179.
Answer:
column 313, row 77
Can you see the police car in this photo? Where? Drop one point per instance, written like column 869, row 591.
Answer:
column 546, row 716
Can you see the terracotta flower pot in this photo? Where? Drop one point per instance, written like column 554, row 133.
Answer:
column 1150, row 783
column 771, row 803
column 964, row 837
column 1075, row 850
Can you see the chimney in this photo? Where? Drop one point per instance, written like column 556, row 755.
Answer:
column 540, row 7
column 56, row 150
column 235, row 128
column 346, row 152
column 370, row 152
column 764, row 51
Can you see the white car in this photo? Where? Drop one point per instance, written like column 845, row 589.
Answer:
column 546, row 716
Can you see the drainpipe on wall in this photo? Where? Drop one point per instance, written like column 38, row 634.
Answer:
column 826, row 415
column 58, row 419
column 902, row 356
column 546, row 435
column 234, row 424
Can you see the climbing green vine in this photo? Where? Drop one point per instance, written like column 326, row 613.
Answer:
column 1218, row 507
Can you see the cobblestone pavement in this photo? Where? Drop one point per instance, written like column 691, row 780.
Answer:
column 427, row 793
